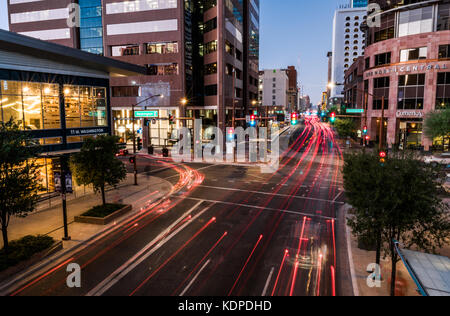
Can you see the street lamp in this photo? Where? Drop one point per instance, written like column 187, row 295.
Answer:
column 134, row 133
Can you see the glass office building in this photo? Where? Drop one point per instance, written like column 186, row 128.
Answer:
column 91, row 27
column 59, row 95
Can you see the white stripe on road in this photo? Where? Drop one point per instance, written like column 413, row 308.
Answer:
column 337, row 196
column 195, row 278
column 268, row 282
column 269, row 193
column 260, row 208
column 132, row 263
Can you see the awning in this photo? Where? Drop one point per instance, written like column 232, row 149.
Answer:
column 430, row 272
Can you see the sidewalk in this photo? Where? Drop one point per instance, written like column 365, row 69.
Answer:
column 48, row 220
column 361, row 259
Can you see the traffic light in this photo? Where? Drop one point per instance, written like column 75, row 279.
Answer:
column 252, row 120
column 139, row 144
column 333, row 117
column 132, row 160
column 294, row 118
column 365, row 130
column 171, row 119
column 383, row 156
column 230, row 134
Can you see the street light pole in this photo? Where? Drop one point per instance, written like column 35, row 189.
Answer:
column 134, row 135
column 381, row 143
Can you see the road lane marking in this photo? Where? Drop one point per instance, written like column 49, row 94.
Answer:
column 268, row 282
column 143, row 254
column 337, row 196
column 195, row 278
column 261, row 208
column 273, row 194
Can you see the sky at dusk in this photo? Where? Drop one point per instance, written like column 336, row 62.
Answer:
column 293, row 32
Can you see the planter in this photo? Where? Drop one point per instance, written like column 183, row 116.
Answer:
column 57, row 246
column 103, row 220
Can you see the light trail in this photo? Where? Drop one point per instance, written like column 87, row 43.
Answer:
column 201, row 261
column 173, row 256
column 286, row 254
column 245, row 265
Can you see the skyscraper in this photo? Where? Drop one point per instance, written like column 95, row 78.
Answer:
column 202, row 56
column 348, row 45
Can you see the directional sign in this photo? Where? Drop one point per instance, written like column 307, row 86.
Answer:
column 146, row 114
column 355, row 111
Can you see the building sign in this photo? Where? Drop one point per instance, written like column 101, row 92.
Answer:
column 146, row 114
column 355, row 111
column 87, row 131
column 406, row 69
column 58, row 186
column 406, row 113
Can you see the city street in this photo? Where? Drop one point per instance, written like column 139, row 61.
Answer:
column 227, row 230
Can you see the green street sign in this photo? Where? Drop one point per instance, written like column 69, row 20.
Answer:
column 355, row 111
column 146, row 114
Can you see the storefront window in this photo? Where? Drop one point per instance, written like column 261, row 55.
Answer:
column 50, row 106
column 411, row 90
column 11, row 101
column 32, row 105
column 85, row 106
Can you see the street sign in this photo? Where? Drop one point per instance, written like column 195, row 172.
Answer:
column 355, row 111
column 146, row 114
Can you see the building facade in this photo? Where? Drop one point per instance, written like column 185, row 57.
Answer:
column 348, row 45
column 354, row 85
column 60, row 96
column 202, row 56
column 407, row 63
column 274, row 91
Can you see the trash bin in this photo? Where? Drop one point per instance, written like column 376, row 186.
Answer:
column 151, row 150
column 165, row 152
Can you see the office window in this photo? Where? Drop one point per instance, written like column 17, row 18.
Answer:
column 162, row 48
column 413, row 54
column 210, row 25
column 125, row 91
column 162, row 69
column 211, row 69
column 444, row 51
column 124, row 50
column 411, row 91
column 443, row 91
column 443, row 17
column 211, row 90
column 210, row 47
column 380, row 90
column 416, row 21
column 382, row 59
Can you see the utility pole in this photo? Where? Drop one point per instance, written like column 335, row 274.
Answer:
column 381, row 143
column 134, row 134
column 233, row 73
column 64, row 196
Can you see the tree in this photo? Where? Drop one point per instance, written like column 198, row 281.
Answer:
column 97, row 165
column 414, row 215
column 437, row 124
column 19, row 176
column 363, row 186
column 396, row 201
column 345, row 127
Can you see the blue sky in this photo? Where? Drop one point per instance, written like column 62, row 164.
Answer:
column 293, row 32
column 298, row 33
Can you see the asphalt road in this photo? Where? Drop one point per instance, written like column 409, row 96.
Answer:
column 226, row 230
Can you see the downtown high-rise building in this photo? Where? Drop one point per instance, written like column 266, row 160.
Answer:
column 201, row 56
column 348, row 44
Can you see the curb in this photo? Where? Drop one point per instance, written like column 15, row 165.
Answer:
column 350, row 253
